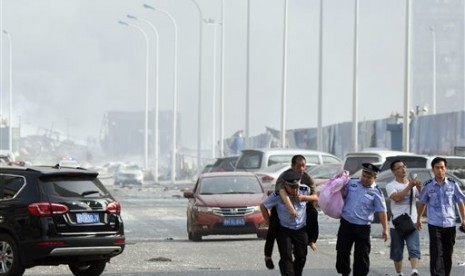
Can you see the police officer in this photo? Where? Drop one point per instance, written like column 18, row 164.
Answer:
column 362, row 198
column 440, row 194
column 292, row 235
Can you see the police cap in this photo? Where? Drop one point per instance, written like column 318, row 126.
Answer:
column 292, row 178
column 370, row 168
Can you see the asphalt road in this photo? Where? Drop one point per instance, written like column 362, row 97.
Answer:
column 157, row 243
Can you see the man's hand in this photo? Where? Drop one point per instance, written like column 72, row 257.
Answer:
column 292, row 212
column 385, row 234
column 419, row 225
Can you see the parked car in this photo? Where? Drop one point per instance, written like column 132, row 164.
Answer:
column 225, row 203
column 54, row 216
column 224, row 164
column 322, row 173
column 258, row 159
column 423, row 175
column 129, row 175
column 270, row 174
column 353, row 160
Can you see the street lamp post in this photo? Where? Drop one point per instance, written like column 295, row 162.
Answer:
column 175, row 88
column 10, row 110
column 156, row 108
column 319, row 140
column 406, row 127
column 146, row 89
column 355, row 83
column 215, row 32
column 247, row 76
column 284, row 81
column 223, row 22
column 433, row 36
column 199, row 105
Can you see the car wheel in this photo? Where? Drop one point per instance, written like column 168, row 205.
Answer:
column 9, row 257
column 196, row 237
column 92, row 268
column 261, row 235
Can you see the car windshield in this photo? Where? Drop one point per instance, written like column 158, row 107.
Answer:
column 230, row 185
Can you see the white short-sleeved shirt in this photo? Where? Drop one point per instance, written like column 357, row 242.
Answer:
column 400, row 207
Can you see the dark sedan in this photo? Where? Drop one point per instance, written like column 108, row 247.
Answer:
column 225, row 203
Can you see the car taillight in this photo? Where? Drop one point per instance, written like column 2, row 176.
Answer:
column 267, row 178
column 46, row 209
column 114, row 208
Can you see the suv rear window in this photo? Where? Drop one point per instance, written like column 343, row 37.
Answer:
column 63, row 187
column 354, row 163
column 250, row 160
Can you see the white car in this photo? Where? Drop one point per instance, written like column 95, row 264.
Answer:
column 131, row 175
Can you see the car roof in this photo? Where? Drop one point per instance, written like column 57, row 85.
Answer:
column 49, row 170
column 286, row 150
column 223, row 174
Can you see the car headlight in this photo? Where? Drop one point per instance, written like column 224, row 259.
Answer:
column 202, row 209
column 256, row 209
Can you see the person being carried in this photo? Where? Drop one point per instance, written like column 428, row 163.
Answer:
column 291, row 235
column 298, row 164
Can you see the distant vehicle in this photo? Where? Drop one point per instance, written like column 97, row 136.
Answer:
column 224, row 164
column 129, row 175
column 258, row 159
column 225, row 203
column 54, row 216
column 6, row 156
column 68, row 162
column 322, row 173
column 270, row 174
column 423, row 174
column 353, row 160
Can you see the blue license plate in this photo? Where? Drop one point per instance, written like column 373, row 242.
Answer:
column 87, row 218
column 235, row 221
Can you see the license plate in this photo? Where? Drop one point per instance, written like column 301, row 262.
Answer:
column 234, row 221
column 87, row 218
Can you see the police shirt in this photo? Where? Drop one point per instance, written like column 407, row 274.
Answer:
column 285, row 219
column 440, row 201
column 362, row 202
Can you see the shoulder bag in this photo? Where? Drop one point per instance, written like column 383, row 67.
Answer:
column 403, row 223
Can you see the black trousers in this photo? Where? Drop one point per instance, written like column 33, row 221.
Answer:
column 312, row 227
column 441, row 247
column 292, row 242
column 348, row 235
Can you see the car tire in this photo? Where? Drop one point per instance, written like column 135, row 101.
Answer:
column 92, row 268
column 261, row 235
column 10, row 263
column 196, row 237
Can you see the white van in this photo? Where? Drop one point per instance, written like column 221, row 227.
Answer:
column 258, row 159
column 353, row 160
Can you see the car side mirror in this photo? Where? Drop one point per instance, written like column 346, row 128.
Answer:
column 188, row 194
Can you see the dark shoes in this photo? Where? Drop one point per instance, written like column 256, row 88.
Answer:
column 269, row 263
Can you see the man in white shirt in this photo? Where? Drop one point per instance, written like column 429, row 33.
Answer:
column 399, row 191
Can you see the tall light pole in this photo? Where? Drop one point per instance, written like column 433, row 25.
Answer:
column 406, row 127
column 355, row 83
column 10, row 110
column 223, row 22
column 319, row 139
column 247, row 77
column 215, row 32
column 175, row 88
column 433, row 36
column 284, row 81
column 156, row 108
column 146, row 124
column 199, row 104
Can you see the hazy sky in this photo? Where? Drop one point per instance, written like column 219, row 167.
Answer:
column 72, row 62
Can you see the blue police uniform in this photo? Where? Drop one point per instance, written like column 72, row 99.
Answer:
column 285, row 220
column 360, row 204
column 440, row 200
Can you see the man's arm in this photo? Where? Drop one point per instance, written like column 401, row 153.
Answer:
column 287, row 201
column 265, row 213
column 384, row 223
column 420, row 211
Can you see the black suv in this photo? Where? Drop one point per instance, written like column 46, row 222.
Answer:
column 53, row 216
